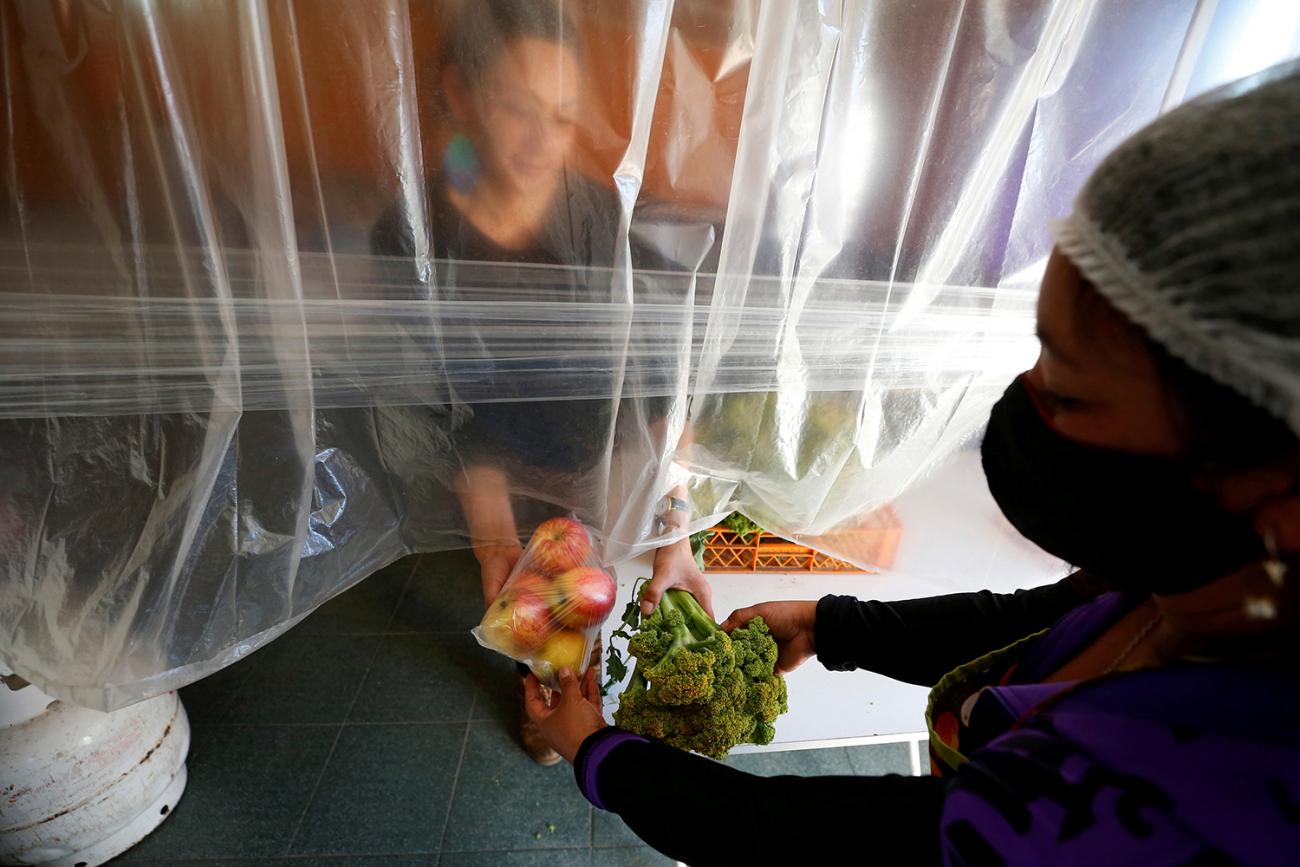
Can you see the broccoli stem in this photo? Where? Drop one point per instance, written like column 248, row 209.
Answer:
column 701, row 625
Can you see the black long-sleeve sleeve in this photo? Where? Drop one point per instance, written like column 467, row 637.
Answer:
column 920, row 640
column 703, row 812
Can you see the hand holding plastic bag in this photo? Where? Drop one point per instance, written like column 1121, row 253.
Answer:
column 550, row 611
column 568, row 718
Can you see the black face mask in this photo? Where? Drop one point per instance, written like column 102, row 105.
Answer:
column 1132, row 519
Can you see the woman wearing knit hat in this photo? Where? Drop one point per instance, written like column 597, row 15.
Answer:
column 1156, row 446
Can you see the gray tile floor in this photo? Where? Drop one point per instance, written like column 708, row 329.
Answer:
column 379, row 733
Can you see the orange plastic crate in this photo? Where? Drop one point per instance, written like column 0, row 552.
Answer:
column 875, row 539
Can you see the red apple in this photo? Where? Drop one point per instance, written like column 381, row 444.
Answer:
column 588, row 596
column 559, row 545
column 564, row 649
column 517, row 622
column 529, row 581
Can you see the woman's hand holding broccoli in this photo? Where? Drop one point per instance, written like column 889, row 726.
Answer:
column 570, row 715
column 790, row 623
column 675, row 567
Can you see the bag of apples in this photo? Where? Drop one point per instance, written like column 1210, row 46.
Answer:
column 549, row 613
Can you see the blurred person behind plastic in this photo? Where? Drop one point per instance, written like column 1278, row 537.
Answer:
column 506, row 191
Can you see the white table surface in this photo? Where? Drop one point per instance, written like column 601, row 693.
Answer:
column 954, row 539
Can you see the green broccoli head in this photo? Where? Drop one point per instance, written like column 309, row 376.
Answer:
column 685, row 677
column 765, row 699
column 650, row 644
column 638, row 714
column 695, row 687
column 680, row 650
column 696, row 727
column 762, row 734
column 755, row 649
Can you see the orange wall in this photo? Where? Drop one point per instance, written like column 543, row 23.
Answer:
column 87, row 89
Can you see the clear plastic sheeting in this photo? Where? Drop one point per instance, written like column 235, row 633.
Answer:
column 81, row 353
column 289, row 290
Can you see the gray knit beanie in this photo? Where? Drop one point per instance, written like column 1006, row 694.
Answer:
column 1191, row 228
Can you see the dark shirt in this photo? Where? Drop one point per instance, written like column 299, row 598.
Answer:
column 578, row 239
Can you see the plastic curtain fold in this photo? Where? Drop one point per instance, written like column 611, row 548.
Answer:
column 238, row 373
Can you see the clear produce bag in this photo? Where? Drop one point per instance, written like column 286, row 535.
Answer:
column 793, row 261
column 549, row 612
